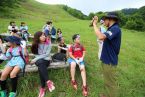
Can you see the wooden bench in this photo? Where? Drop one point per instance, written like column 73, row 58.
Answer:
column 54, row 65
column 8, row 34
column 53, row 45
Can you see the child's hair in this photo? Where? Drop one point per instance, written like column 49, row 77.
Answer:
column 22, row 23
column 59, row 30
column 11, row 22
column 75, row 36
column 49, row 22
column 36, row 41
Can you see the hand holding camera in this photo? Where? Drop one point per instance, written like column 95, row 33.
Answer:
column 94, row 21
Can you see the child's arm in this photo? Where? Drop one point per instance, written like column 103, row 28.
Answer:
column 8, row 55
column 84, row 53
column 2, row 46
column 71, row 56
column 43, row 55
column 59, row 48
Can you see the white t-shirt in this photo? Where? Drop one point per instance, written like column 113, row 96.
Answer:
column 23, row 45
column 10, row 28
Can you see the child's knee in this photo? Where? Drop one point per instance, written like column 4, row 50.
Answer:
column 4, row 75
column 82, row 69
column 73, row 64
column 12, row 75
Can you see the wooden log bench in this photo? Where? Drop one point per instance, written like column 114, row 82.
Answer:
column 53, row 45
column 8, row 34
column 53, row 65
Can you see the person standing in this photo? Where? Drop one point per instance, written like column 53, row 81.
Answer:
column 110, row 51
column 100, row 42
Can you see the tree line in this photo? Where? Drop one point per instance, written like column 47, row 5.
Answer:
column 130, row 18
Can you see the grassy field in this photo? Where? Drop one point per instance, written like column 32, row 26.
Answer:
column 131, row 77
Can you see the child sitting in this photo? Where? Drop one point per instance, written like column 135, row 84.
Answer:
column 62, row 47
column 41, row 47
column 15, row 64
column 77, row 54
column 24, row 31
column 59, row 32
column 12, row 26
column 62, row 51
column 2, row 50
column 47, row 28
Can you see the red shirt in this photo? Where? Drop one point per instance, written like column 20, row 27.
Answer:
column 77, row 50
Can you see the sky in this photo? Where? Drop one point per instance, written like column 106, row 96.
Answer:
column 87, row 6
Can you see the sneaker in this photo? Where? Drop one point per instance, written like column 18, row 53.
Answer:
column 50, row 86
column 74, row 84
column 41, row 92
column 3, row 93
column 85, row 91
column 12, row 94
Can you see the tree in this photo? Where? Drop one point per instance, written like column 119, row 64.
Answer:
column 91, row 15
column 74, row 12
column 142, row 12
column 136, row 24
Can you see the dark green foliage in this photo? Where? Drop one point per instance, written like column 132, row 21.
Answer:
column 129, row 11
column 135, row 24
column 100, row 14
column 142, row 12
column 74, row 12
column 91, row 15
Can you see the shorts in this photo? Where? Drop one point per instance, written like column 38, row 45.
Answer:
column 81, row 65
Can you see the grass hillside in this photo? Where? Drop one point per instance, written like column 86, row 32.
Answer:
column 37, row 12
column 131, row 68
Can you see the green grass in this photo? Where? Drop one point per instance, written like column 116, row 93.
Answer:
column 131, row 67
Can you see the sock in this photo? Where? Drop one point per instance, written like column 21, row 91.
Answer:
column 3, row 84
column 14, row 82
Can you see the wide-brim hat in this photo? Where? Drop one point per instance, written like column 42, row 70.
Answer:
column 13, row 39
column 112, row 15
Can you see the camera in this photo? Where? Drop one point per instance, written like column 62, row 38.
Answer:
column 95, row 18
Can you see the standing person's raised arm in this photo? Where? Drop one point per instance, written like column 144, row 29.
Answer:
column 100, row 35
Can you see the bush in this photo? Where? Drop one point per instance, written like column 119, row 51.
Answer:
column 136, row 24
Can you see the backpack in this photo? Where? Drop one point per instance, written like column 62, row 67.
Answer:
column 53, row 31
column 25, row 58
column 58, row 57
column 47, row 32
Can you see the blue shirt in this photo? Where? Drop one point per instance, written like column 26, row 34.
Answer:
column 111, row 46
column 102, row 29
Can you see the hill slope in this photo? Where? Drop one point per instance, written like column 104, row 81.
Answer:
column 32, row 9
column 35, row 11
